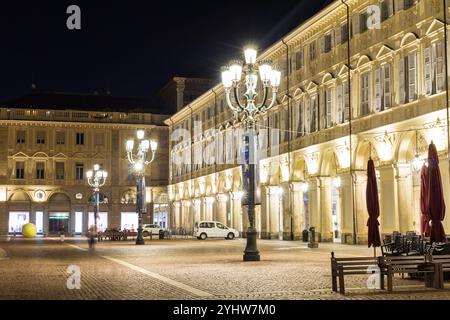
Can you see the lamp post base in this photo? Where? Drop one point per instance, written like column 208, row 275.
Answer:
column 251, row 252
column 140, row 239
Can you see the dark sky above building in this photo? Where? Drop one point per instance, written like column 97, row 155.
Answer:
column 132, row 48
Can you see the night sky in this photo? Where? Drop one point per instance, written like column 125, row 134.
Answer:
column 132, row 48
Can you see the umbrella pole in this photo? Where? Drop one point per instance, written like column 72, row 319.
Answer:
column 374, row 252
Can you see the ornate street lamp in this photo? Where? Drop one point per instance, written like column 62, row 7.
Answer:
column 231, row 79
column 96, row 179
column 139, row 162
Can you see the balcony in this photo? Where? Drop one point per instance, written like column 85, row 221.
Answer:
column 79, row 116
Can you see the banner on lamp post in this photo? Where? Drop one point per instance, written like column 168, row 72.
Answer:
column 141, row 195
column 250, row 158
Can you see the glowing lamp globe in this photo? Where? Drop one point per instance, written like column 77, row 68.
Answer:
column 29, row 230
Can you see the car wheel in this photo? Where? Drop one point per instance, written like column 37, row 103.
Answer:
column 230, row 236
column 203, row 236
column 146, row 234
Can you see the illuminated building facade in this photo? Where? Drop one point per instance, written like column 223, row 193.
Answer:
column 50, row 141
column 360, row 79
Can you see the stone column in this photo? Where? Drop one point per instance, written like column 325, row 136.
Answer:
column 362, row 215
column 221, row 209
column 177, row 215
column 202, row 208
column 265, row 213
column 325, row 225
column 405, row 200
column 314, row 206
column 389, row 216
column 287, row 214
column 275, row 214
column 346, row 208
column 297, row 210
column 236, row 210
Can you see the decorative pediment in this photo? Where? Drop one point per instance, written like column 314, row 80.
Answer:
column 363, row 60
column 40, row 154
column 61, row 156
column 298, row 92
column 311, row 86
column 20, row 155
column 327, row 77
column 408, row 39
column 79, row 155
column 285, row 98
column 384, row 50
column 343, row 71
column 436, row 26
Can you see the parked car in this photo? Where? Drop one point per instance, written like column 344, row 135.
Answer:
column 151, row 229
column 214, row 229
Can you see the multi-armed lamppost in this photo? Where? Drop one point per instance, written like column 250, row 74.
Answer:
column 231, row 79
column 139, row 162
column 96, row 179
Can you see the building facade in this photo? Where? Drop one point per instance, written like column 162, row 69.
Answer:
column 361, row 79
column 44, row 158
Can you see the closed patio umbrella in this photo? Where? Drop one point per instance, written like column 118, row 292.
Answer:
column 435, row 203
column 425, row 229
column 373, row 207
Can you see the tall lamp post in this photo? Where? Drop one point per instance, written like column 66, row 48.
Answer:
column 96, row 179
column 231, row 79
column 139, row 162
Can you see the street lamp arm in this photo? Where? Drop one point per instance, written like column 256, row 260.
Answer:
column 264, row 101
column 130, row 157
column 229, row 103
column 152, row 159
column 236, row 97
column 272, row 103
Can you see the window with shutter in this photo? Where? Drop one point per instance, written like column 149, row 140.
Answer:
column 402, row 80
column 356, row 24
column 308, row 115
column 20, row 137
column 363, row 21
column 312, row 51
column 322, row 110
column 322, row 44
column 387, row 86
column 40, row 170
column 340, row 106
column 20, row 170
column 314, row 119
column 301, row 120
column 346, row 101
column 428, row 75
column 412, row 75
column 378, row 90
column 338, row 36
column 59, row 169
column 299, row 59
column 440, row 67
column 329, row 107
column 365, row 110
column 387, row 9
column 344, row 33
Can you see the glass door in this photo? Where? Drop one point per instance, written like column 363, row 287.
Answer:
column 40, row 222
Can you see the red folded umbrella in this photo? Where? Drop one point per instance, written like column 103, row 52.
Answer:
column 425, row 229
column 373, row 206
column 435, row 203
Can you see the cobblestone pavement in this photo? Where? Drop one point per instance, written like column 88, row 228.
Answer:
column 186, row 269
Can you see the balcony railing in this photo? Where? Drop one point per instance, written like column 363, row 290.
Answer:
column 79, row 116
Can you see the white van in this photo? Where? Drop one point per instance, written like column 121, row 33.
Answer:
column 214, row 229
